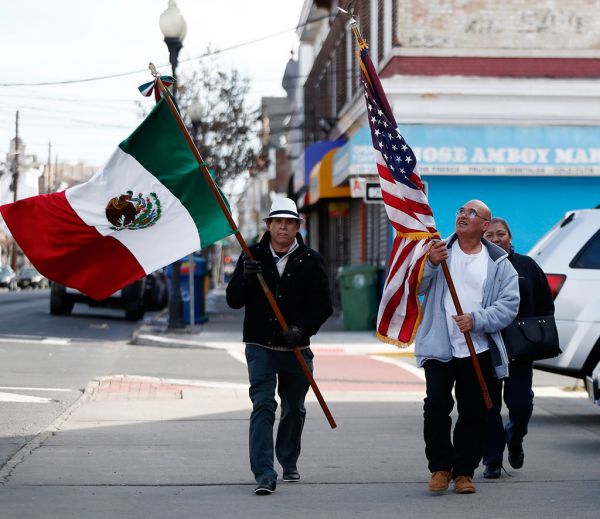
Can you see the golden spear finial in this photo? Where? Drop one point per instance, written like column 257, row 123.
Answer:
column 354, row 25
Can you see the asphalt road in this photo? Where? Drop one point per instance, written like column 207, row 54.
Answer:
column 47, row 361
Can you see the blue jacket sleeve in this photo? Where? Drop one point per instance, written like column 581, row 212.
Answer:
column 503, row 309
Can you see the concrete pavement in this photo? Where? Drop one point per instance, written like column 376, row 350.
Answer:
column 148, row 447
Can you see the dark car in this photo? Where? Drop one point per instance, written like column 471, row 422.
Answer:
column 148, row 293
column 8, row 279
column 28, row 277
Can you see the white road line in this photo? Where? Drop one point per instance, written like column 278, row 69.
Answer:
column 52, row 389
column 413, row 370
column 55, row 340
column 23, row 399
column 240, row 356
column 33, row 339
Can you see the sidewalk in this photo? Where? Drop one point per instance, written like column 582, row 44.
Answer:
column 224, row 331
column 143, row 447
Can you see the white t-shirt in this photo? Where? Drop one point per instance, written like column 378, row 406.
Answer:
column 469, row 273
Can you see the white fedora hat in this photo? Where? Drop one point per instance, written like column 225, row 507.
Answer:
column 283, row 208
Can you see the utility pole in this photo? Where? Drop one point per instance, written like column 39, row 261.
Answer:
column 13, row 260
column 48, row 166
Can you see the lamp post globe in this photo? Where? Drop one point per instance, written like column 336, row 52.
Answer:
column 173, row 26
column 174, row 29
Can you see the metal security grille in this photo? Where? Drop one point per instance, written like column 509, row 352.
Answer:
column 377, row 235
column 338, row 252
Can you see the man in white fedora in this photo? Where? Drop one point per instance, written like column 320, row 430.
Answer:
column 297, row 279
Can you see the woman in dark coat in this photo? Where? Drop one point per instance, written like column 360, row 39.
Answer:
column 536, row 299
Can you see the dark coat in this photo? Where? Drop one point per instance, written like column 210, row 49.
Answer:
column 302, row 294
column 534, row 291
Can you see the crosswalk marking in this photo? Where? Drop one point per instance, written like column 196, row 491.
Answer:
column 23, row 399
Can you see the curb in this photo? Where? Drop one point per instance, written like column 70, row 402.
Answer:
column 146, row 339
column 38, row 440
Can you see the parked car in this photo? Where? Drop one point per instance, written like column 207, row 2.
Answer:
column 569, row 254
column 592, row 384
column 149, row 293
column 28, row 277
column 8, row 279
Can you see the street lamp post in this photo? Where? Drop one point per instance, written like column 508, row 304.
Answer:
column 174, row 28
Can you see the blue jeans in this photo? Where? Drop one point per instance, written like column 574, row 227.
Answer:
column 265, row 369
column 518, row 397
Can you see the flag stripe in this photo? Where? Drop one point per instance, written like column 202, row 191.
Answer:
column 173, row 235
column 393, row 299
column 412, row 311
column 64, row 249
column 170, row 160
column 407, row 208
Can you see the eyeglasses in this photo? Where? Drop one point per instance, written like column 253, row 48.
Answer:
column 469, row 212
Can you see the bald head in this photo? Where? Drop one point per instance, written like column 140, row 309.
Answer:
column 472, row 220
column 482, row 209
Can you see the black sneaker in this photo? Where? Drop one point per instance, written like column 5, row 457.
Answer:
column 492, row 471
column 291, row 475
column 265, row 488
column 516, row 456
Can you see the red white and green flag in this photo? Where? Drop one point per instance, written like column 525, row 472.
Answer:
column 147, row 207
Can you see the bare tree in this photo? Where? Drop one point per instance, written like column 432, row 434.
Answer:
column 214, row 105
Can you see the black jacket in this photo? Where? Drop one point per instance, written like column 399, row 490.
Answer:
column 302, row 294
column 534, row 291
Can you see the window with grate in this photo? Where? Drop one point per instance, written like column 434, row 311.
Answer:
column 380, row 29
column 341, row 73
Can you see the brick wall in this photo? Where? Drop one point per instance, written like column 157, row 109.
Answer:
column 497, row 24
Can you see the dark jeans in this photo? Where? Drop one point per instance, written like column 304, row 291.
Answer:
column 462, row 453
column 265, row 369
column 518, row 397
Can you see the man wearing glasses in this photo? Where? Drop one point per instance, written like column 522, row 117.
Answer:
column 487, row 287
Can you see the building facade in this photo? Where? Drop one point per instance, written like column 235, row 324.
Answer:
column 499, row 102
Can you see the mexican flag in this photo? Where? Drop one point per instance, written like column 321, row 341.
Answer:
column 147, row 207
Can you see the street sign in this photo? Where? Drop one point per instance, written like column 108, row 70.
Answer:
column 373, row 193
column 357, row 187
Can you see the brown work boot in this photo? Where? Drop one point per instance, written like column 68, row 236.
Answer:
column 464, row 485
column 439, row 480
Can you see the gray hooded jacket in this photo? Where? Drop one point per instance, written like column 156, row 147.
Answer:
column 500, row 304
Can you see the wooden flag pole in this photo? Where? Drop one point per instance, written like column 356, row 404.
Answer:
column 484, row 390
column 241, row 241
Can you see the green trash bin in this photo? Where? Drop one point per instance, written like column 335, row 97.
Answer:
column 358, row 290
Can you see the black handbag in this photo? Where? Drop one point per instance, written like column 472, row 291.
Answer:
column 531, row 338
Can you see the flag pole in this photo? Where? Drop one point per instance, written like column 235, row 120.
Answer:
column 479, row 374
column 241, row 241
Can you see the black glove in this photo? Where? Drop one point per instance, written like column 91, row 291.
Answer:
column 292, row 337
column 251, row 268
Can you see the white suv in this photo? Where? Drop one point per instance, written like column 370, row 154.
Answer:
column 569, row 254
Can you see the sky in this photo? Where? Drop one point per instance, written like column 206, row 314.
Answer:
column 62, row 40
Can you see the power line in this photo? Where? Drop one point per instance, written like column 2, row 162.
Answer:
column 205, row 55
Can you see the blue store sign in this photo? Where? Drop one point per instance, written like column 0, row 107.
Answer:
column 484, row 150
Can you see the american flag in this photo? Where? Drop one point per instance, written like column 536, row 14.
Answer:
column 407, row 209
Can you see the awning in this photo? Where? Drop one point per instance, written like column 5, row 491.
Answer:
column 356, row 157
column 311, row 156
column 320, row 182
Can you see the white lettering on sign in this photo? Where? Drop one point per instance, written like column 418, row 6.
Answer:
column 510, row 155
column 577, row 155
column 443, row 154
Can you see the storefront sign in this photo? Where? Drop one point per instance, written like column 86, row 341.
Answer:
column 489, row 150
column 373, row 193
column 357, row 187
